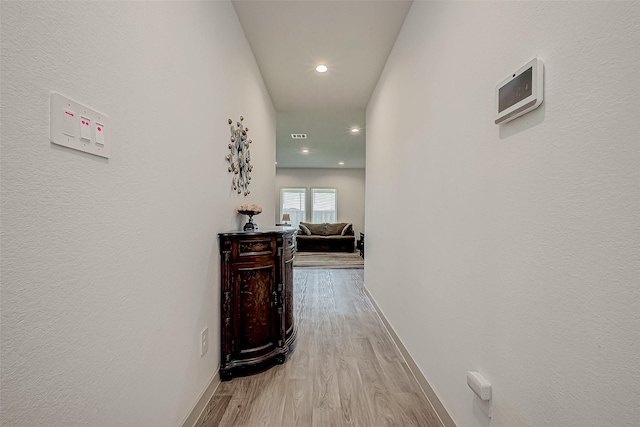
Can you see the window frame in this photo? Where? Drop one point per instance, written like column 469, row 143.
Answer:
column 305, row 212
column 333, row 191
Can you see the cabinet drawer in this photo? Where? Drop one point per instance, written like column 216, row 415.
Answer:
column 256, row 247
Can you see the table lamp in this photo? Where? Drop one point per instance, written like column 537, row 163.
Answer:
column 286, row 218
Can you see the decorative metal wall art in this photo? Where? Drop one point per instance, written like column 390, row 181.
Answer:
column 240, row 157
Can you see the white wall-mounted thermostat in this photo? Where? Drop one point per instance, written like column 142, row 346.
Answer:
column 521, row 92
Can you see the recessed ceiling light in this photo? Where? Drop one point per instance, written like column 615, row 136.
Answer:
column 321, row 68
column 305, row 151
column 355, row 130
column 341, row 163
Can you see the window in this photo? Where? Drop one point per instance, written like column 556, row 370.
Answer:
column 292, row 202
column 323, row 205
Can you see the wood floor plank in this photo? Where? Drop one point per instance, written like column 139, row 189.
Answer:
column 299, row 362
column 325, row 381
column 356, row 410
column 345, row 370
column 296, row 409
column 398, row 378
column 368, row 365
column 327, row 417
column 412, row 408
column 214, row 411
column 265, row 409
column 386, row 412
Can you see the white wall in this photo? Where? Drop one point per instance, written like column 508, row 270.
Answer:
column 110, row 269
column 349, row 184
column 525, row 263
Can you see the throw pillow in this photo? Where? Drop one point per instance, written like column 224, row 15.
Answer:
column 305, row 230
column 334, row 229
column 347, row 230
column 316, row 229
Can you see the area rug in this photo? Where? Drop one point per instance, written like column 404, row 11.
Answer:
column 328, row 260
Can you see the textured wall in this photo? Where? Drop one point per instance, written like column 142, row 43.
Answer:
column 522, row 256
column 110, row 268
column 349, row 183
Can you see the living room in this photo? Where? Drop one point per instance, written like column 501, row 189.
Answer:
column 349, row 186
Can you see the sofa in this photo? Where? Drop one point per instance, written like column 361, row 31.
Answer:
column 326, row 237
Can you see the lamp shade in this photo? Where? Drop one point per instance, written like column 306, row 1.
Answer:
column 286, row 217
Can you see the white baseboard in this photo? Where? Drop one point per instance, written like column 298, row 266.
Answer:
column 438, row 407
column 196, row 413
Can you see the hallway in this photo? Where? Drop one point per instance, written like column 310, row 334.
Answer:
column 345, row 370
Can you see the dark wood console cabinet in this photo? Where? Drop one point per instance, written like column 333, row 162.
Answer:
column 258, row 328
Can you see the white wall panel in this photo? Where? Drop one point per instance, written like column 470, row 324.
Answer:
column 520, row 254
column 110, row 268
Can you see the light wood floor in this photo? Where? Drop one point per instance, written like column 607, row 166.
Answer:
column 345, row 370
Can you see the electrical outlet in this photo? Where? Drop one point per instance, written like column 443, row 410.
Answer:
column 204, row 342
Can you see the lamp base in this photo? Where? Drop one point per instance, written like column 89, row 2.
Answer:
column 250, row 226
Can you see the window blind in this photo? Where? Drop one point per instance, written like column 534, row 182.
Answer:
column 292, row 202
column 323, row 205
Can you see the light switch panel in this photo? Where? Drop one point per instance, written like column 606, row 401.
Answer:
column 76, row 126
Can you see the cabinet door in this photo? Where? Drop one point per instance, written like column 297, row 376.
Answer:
column 255, row 320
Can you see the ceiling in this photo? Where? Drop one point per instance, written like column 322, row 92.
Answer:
column 289, row 39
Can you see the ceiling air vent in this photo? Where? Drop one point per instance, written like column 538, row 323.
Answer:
column 298, row 136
